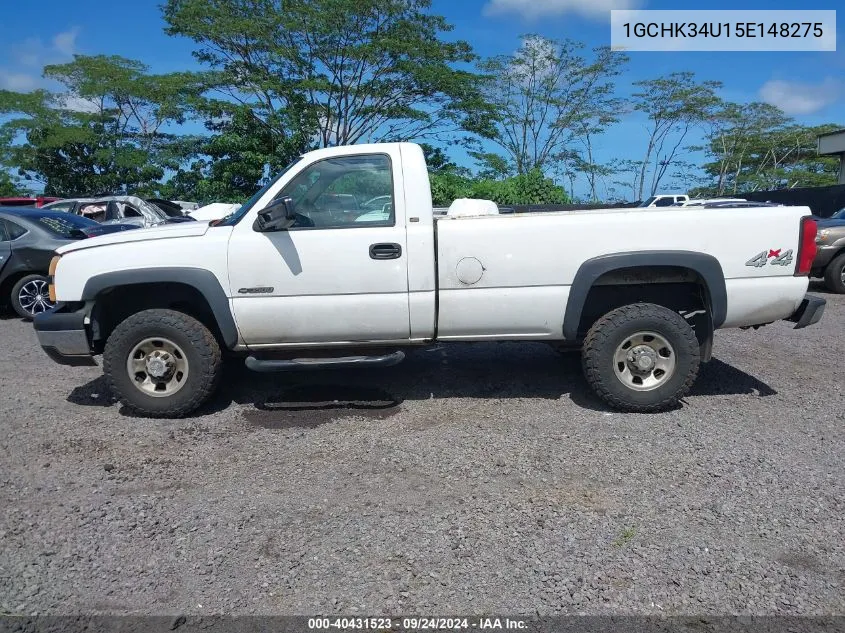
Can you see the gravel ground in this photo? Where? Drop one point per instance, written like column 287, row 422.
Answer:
column 469, row 479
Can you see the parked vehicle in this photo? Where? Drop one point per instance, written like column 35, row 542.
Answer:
column 666, row 200
column 107, row 229
column 124, row 210
column 174, row 211
column 377, row 203
column 830, row 260
column 28, row 240
column 37, row 201
column 213, row 211
column 700, row 202
column 186, row 205
column 291, row 282
column 69, row 205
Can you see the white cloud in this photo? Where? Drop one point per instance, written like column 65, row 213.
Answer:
column 532, row 9
column 78, row 104
column 22, row 73
column 797, row 98
column 65, row 42
column 18, row 82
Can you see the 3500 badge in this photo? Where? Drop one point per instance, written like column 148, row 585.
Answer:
column 775, row 258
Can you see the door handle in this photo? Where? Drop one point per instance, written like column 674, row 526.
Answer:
column 385, row 251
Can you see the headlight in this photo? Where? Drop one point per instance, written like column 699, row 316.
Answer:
column 822, row 236
column 51, row 270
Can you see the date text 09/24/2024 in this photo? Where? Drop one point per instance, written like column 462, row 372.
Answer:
column 415, row 624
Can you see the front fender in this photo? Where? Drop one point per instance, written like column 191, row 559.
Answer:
column 202, row 280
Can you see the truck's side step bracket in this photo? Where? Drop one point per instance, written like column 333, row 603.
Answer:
column 341, row 362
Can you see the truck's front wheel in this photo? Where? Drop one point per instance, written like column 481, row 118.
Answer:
column 641, row 357
column 162, row 363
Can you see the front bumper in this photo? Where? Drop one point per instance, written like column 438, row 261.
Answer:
column 64, row 337
column 809, row 312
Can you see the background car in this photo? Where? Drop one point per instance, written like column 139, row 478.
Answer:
column 105, row 229
column 28, row 241
column 377, row 203
column 665, row 200
column 830, row 254
column 173, row 210
column 124, row 209
column 213, row 211
column 700, row 202
column 37, row 201
column 69, row 205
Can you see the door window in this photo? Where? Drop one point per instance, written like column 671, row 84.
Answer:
column 131, row 212
column 60, row 206
column 332, row 193
column 13, row 231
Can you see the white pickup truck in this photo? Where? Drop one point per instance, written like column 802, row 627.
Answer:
column 340, row 262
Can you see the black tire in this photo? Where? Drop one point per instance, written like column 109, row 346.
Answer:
column 611, row 331
column 201, row 352
column 15, row 298
column 833, row 275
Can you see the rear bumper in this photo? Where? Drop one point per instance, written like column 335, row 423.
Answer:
column 809, row 312
column 64, row 337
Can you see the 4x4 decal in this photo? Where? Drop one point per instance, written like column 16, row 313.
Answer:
column 773, row 257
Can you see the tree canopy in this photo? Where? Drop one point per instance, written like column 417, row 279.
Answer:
column 277, row 78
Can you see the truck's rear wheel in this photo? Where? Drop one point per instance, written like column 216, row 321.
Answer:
column 641, row 357
column 162, row 363
column 834, row 275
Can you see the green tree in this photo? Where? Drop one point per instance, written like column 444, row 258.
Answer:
column 731, row 133
column 7, row 185
column 673, row 105
column 530, row 188
column 104, row 133
column 232, row 161
column 756, row 146
column 543, row 97
column 334, row 72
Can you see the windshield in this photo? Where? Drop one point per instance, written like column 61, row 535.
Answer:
column 649, row 201
column 839, row 215
column 234, row 218
column 66, row 225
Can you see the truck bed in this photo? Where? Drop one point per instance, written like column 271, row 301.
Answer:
column 528, row 262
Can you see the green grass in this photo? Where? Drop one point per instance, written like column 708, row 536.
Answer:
column 625, row 536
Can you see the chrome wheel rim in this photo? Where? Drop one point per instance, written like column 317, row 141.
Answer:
column 34, row 297
column 644, row 361
column 157, row 367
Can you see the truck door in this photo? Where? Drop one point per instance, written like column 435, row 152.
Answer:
column 340, row 274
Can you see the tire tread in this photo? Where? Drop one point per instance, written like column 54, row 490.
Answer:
column 202, row 341
column 598, row 337
column 832, row 274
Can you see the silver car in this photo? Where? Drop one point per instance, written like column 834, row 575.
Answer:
column 123, row 210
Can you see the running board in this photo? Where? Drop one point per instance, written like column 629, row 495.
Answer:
column 342, row 362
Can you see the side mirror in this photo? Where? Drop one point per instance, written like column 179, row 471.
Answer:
column 277, row 216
